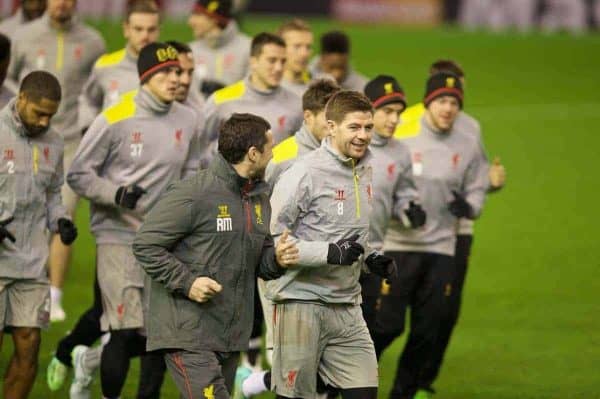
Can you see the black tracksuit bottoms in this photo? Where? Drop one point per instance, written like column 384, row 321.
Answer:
column 430, row 285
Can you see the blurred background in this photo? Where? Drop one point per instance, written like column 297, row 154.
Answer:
column 549, row 15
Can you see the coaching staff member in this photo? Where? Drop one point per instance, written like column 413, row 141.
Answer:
column 203, row 245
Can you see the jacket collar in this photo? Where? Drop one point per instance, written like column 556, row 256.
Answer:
column 306, row 139
column 259, row 92
column 149, row 103
column 432, row 132
column 346, row 161
column 11, row 116
column 379, row 141
column 68, row 26
column 223, row 170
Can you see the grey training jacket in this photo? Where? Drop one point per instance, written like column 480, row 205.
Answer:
column 67, row 54
column 322, row 198
column 113, row 75
column 393, row 186
column 225, row 61
column 280, row 107
column 286, row 153
column 212, row 224
column 441, row 163
column 137, row 141
column 31, row 176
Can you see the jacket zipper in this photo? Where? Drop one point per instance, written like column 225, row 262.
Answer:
column 60, row 50
column 246, row 201
column 356, row 189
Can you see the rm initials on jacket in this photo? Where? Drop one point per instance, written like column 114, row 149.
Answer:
column 224, row 222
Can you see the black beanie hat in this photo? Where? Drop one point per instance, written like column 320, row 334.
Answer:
column 443, row 84
column 217, row 9
column 155, row 57
column 384, row 90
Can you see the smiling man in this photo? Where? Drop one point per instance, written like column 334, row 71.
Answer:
column 260, row 93
column 451, row 175
column 324, row 200
column 130, row 154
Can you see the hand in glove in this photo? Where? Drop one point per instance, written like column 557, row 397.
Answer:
column 4, row 233
column 67, row 231
column 128, row 196
column 345, row 251
column 459, row 207
column 382, row 265
column 416, row 215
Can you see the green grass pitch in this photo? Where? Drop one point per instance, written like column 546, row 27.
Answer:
column 530, row 321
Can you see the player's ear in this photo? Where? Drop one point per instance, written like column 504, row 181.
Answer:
column 331, row 125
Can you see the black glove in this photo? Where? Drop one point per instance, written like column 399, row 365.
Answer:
column 67, row 231
column 416, row 215
column 345, row 251
column 459, row 207
column 128, row 196
column 208, row 87
column 5, row 233
column 382, row 265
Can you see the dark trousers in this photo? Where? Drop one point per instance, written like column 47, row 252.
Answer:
column 425, row 285
column 461, row 261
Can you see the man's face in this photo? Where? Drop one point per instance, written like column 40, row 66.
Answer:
column 268, row 66
column 442, row 112
column 61, row 11
column 336, row 65
column 201, row 24
column 260, row 159
column 186, row 61
column 352, row 136
column 298, row 46
column 386, row 119
column 164, row 84
column 33, row 9
column 35, row 115
column 316, row 124
column 141, row 29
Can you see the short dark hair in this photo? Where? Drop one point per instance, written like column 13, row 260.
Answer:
column 336, row 42
column 446, row 66
column 295, row 24
column 239, row 133
column 141, row 6
column 344, row 102
column 181, row 48
column 4, row 47
column 318, row 93
column 261, row 40
column 41, row 84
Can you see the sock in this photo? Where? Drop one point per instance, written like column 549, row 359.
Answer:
column 91, row 359
column 255, row 384
column 55, row 294
column 254, row 352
